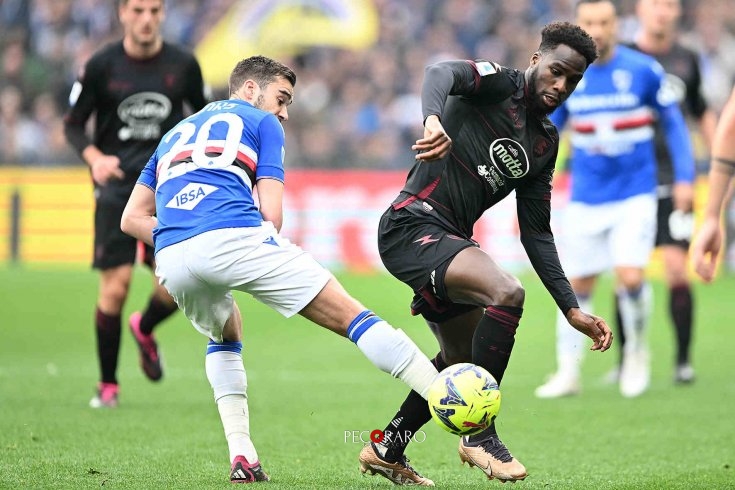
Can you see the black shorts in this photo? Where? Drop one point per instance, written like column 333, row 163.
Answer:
column 112, row 247
column 418, row 251
column 664, row 231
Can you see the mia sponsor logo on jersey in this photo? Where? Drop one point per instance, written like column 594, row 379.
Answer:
column 191, row 195
column 143, row 114
column 509, row 158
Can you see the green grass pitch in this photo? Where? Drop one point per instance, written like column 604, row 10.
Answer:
column 309, row 389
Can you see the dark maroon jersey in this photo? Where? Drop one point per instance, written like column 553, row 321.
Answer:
column 498, row 146
column 135, row 102
column 683, row 81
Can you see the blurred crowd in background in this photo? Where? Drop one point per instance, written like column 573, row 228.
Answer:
column 353, row 109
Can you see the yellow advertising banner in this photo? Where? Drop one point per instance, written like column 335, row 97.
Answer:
column 55, row 217
column 283, row 28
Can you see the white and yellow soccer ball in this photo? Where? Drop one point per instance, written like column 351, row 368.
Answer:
column 464, row 399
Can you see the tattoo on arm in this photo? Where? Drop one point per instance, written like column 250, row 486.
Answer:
column 729, row 164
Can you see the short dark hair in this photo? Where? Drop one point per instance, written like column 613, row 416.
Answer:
column 123, row 3
column 556, row 33
column 262, row 70
column 582, row 2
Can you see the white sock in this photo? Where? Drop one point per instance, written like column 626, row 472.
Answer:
column 392, row 351
column 570, row 342
column 635, row 310
column 226, row 375
column 233, row 411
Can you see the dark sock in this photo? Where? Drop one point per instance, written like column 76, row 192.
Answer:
column 680, row 307
column 494, row 338
column 156, row 312
column 412, row 415
column 108, row 344
column 619, row 330
column 477, row 439
column 492, row 345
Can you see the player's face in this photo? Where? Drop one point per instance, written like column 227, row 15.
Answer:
column 601, row 22
column 554, row 76
column 141, row 20
column 658, row 17
column 275, row 98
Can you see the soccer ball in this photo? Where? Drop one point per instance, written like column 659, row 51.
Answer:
column 464, row 399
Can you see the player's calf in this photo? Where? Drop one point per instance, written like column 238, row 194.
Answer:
column 392, row 351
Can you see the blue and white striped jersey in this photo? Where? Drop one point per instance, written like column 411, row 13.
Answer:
column 204, row 170
column 611, row 118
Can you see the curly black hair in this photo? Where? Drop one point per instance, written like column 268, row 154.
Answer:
column 556, row 33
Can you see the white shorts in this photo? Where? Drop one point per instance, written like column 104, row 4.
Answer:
column 598, row 237
column 201, row 272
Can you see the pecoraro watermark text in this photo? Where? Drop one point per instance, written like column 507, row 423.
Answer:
column 377, row 436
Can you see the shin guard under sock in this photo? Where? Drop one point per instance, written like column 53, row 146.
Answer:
column 108, row 328
column 681, row 306
column 391, row 351
column 492, row 345
column 156, row 312
column 412, row 415
column 494, row 337
column 619, row 332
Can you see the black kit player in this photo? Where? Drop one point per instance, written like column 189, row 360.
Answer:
column 657, row 36
column 486, row 134
column 137, row 89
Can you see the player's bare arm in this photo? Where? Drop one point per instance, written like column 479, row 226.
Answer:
column 593, row 327
column 138, row 218
column 706, row 249
column 708, row 240
column 435, row 144
column 270, row 198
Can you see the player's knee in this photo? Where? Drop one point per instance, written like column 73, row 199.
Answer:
column 114, row 287
column 509, row 292
column 677, row 276
column 113, row 296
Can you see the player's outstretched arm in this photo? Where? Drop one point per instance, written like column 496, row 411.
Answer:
column 708, row 240
column 138, row 218
column 593, row 327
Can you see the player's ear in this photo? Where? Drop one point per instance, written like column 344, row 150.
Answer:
column 248, row 90
column 535, row 58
